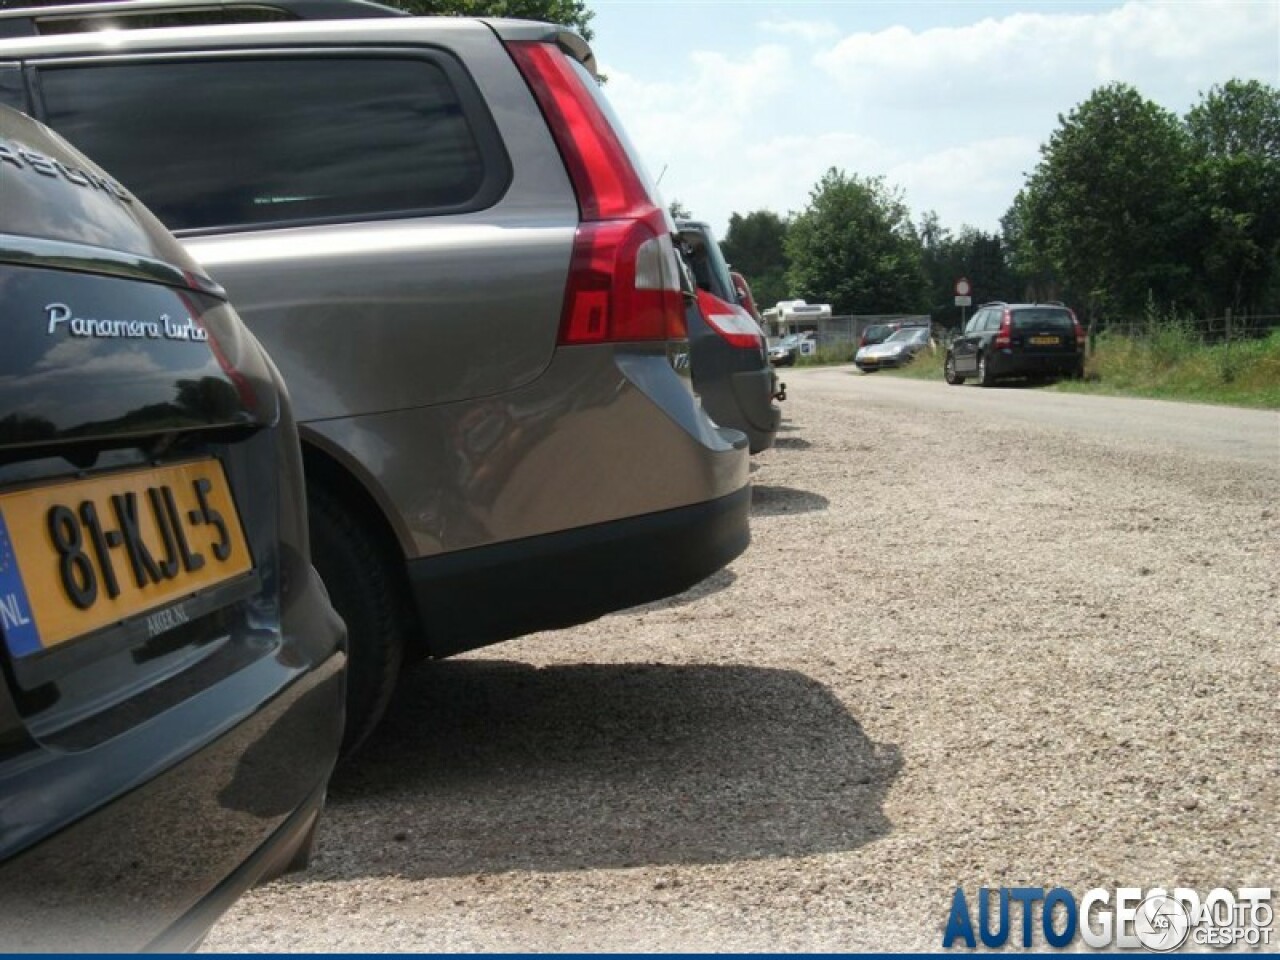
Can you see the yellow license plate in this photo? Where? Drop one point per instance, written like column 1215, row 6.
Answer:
column 1045, row 341
column 81, row 555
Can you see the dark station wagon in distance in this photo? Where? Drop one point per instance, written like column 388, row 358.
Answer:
column 1002, row 340
column 171, row 705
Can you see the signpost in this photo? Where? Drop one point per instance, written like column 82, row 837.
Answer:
column 964, row 298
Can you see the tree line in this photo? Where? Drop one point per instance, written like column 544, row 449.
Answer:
column 1128, row 206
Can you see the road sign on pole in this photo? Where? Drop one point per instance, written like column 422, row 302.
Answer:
column 964, row 298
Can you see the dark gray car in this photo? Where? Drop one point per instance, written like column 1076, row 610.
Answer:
column 445, row 240
column 728, row 353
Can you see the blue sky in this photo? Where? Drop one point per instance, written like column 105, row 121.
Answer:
column 745, row 104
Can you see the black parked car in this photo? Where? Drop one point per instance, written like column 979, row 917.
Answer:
column 1017, row 340
column 728, row 359
column 171, row 705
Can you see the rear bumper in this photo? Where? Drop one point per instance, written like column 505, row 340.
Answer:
column 1023, row 364
column 744, row 401
column 754, row 392
column 205, row 817
column 267, row 862
column 476, row 597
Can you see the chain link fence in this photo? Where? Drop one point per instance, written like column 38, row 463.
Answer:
column 847, row 330
column 1225, row 329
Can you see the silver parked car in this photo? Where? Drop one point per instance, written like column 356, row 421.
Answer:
column 897, row 350
column 443, row 237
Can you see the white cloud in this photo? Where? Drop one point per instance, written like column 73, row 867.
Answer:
column 810, row 31
column 964, row 184
column 1165, row 49
column 953, row 115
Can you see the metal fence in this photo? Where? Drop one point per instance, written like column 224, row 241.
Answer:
column 847, row 330
column 1223, row 329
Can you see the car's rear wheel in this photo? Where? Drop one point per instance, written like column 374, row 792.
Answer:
column 360, row 576
column 949, row 371
column 985, row 377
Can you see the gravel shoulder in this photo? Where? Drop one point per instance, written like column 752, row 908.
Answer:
column 968, row 646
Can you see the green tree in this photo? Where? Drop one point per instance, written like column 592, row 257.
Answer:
column 1024, row 253
column 678, row 210
column 854, row 247
column 755, row 246
column 1235, row 182
column 1238, row 118
column 569, row 13
column 1107, row 209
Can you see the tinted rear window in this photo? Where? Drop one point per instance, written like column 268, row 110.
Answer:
column 222, row 143
column 1048, row 318
column 708, row 264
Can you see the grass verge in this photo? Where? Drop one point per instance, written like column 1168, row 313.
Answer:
column 1170, row 364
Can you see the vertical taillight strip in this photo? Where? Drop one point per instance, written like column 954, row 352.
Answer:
column 624, row 283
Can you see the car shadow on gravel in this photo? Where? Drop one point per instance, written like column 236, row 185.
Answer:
column 770, row 501
column 792, row 443
column 488, row 765
column 722, row 579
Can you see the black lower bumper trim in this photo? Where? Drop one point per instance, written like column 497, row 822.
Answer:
column 267, row 862
column 472, row 598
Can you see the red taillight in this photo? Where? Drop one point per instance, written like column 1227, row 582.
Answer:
column 1080, row 335
column 624, row 283
column 1004, row 336
column 731, row 321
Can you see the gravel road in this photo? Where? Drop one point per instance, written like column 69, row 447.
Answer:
column 982, row 637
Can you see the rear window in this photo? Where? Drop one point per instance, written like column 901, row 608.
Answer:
column 267, row 141
column 12, row 92
column 708, row 264
column 1046, row 318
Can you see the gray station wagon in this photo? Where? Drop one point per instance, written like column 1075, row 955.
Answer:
column 440, row 232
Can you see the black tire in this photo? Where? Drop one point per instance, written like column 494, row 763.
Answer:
column 949, row 371
column 364, row 584
column 985, row 377
column 1077, row 372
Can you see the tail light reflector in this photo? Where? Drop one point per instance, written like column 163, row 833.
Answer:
column 730, row 321
column 623, row 285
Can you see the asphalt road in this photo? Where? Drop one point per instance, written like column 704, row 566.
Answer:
column 980, row 638
column 1217, row 431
